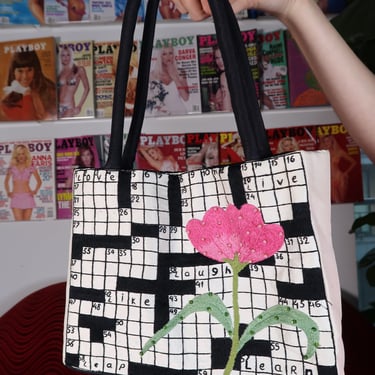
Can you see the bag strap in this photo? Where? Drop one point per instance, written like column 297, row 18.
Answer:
column 240, row 82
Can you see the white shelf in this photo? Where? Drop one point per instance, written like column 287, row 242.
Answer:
column 168, row 125
column 111, row 30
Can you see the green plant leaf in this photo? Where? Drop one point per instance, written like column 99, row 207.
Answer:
column 208, row 302
column 363, row 220
column 284, row 315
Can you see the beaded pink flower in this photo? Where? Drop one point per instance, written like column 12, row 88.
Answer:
column 224, row 234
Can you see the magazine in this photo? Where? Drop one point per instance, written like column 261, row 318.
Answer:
column 231, row 150
column 168, row 11
column 202, row 150
column 120, row 8
column 66, row 11
column 346, row 169
column 304, row 89
column 161, row 152
column 174, row 77
column 215, row 95
column 273, row 70
column 71, row 153
column 105, row 65
column 21, row 12
column 32, row 98
column 292, row 139
column 76, row 94
column 102, row 10
column 27, row 180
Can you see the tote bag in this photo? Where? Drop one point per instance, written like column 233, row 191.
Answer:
column 223, row 270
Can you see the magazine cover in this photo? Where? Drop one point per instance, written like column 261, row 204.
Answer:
column 292, row 139
column 215, row 95
column 273, row 70
column 66, row 11
column 304, row 89
column 28, row 80
column 71, row 153
column 231, row 150
column 161, row 152
column 105, row 66
column 76, row 94
column 22, row 12
column 102, row 10
column 174, row 77
column 27, row 180
column 202, row 150
column 168, row 11
column 120, row 8
column 346, row 170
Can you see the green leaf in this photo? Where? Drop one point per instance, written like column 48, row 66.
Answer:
column 284, row 315
column 208, row 302
column 368, row 219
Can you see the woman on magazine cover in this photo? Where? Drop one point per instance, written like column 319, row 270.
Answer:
column 19, row 174
column 232, row 152
column 207, row 156
column 69, row 79
column 157, row 160
column 341, row 166
column 168, row 87
column 222, row 101
column 287, row 144
column 29, row 94
column 168, row 10
column 85, row 159
column 76, row 9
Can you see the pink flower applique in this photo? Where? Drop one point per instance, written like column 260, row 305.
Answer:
column 226, row 234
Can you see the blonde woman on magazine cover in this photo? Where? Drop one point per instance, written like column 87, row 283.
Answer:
column 69, row 78
column 17, row 183
column 157, row 160
column 168, row 87
column 346, row 81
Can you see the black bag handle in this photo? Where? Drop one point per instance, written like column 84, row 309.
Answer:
column 240, row 82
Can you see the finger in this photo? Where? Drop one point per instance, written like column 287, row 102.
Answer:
column 238, row 6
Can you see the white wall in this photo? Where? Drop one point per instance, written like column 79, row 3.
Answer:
column 35, row 254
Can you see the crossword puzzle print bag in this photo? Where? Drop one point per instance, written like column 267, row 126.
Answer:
column 226, row 270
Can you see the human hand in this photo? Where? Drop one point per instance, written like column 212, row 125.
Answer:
column 199, row 9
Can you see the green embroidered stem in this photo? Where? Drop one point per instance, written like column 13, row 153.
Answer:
column 237, row 266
